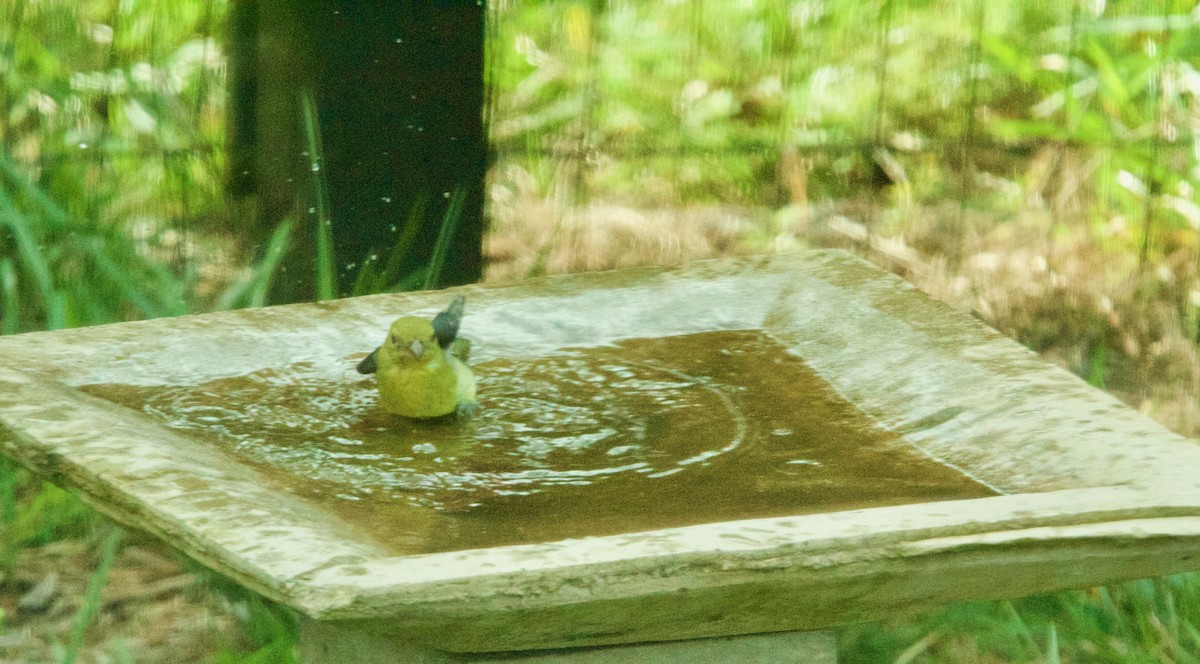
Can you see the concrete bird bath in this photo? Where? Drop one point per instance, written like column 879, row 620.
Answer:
column 711, row 461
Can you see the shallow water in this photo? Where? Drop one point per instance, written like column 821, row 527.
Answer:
column 645, row 434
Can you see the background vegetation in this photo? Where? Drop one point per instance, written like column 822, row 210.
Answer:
column 1034, row 163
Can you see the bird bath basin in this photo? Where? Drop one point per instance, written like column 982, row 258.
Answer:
column 724, row 449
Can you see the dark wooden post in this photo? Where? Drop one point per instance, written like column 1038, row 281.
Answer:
column 397, row 91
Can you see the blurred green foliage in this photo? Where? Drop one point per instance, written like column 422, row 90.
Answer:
column 1141, row 622
column 685, row 102
column 110, row 124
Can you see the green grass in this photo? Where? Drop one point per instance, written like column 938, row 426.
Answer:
column 91, row 601
column 269, row 629
column 33, row 513
column 326, row 271
column 1140, row 622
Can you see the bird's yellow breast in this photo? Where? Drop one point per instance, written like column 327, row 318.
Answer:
column 417, row 372
column 431, row 389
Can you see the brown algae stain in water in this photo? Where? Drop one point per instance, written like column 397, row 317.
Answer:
column 644, row 434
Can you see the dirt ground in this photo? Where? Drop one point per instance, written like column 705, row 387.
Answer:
column 153, row 610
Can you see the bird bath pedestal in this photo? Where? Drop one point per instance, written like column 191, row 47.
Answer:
column 982, row 471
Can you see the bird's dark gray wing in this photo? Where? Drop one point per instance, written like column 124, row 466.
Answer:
column 445, row 324
column 367, row 366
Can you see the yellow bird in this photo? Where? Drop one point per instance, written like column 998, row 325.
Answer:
column 421, row 367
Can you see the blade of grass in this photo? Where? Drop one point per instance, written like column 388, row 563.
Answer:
column 56, row 311
column 1112, row 83
column 121, row 277
column 1193, row 635
column 387, row 278
column 1052, row 656
column 911, row 653
column 52, row 212
column 326, row 271
column 171, row 289
column 32, row 257
column 252, row 289
column 12, row 305
column 441, row 246
column 367, row 276
column 9, row 511
column 404, row 243
column 92, row 304
column 91, row 599
column 266, row 270
column 49, row 514
column 270, row 628
column 1020, row 628
column 1170, row 621
column 413, row 280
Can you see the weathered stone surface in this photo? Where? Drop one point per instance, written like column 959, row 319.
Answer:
column 1093, row 492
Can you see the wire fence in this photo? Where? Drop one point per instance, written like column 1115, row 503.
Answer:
column 758, row 103
column 827, row 100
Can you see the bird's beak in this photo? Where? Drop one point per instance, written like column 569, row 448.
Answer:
column 416, row 348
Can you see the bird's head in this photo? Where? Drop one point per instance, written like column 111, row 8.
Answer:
column 412, row 337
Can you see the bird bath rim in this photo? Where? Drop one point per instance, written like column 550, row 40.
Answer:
column 1085, row 476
